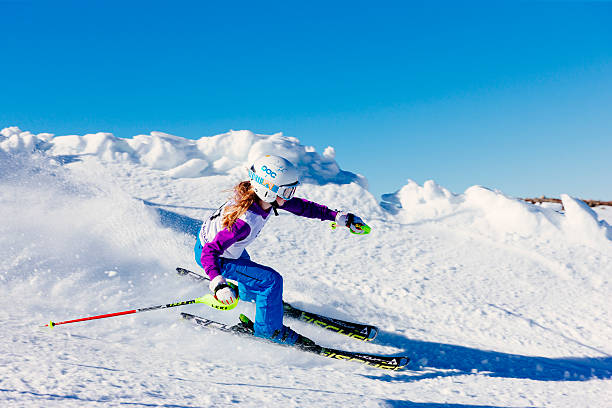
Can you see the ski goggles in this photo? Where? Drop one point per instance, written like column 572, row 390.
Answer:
column 287, row 192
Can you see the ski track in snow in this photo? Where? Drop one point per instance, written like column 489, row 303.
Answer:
column 492, row 314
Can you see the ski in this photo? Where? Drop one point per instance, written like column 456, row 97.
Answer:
column 358, row 331
column 244, row 328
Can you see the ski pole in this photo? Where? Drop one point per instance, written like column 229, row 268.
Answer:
column 209, row 300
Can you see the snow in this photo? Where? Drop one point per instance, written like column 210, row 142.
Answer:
column 498, row 302
column 224, row 154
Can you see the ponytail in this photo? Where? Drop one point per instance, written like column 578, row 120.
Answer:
column 244, row 196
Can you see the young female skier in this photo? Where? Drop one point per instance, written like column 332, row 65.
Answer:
column 220, row 246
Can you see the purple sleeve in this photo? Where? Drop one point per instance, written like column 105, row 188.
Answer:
column 224, row 239
column 308, row 209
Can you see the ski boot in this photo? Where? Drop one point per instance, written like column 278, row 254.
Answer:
column 245, row 326
column 285, row 336
column 289, row 337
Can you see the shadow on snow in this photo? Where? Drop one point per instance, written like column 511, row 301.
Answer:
column 29, row 397
column 410, row 404
column 175, row 221
column 453, row 360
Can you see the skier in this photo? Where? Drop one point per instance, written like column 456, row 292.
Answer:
column 221, row 242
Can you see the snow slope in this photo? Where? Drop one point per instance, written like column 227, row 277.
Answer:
column 498, row 302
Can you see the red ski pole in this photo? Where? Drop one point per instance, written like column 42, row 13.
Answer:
column 209, row 300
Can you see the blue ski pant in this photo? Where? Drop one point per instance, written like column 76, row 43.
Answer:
column 258, row 283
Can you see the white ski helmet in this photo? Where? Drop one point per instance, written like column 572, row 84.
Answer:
column 273, row 176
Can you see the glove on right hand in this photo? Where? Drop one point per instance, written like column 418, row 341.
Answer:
column 349, row 220
column 222, row 291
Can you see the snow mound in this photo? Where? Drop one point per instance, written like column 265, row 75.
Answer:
column 582, row 223
column 13, row 140
column 428, row 201
column 487, row 212
column 225, row 154
column 498, row 216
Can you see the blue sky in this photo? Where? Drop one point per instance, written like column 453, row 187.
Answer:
column 515, row 96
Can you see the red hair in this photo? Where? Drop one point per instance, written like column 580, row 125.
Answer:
column 244, row 196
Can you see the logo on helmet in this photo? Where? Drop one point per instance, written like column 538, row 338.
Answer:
column 269, row 172
column 260, row 180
